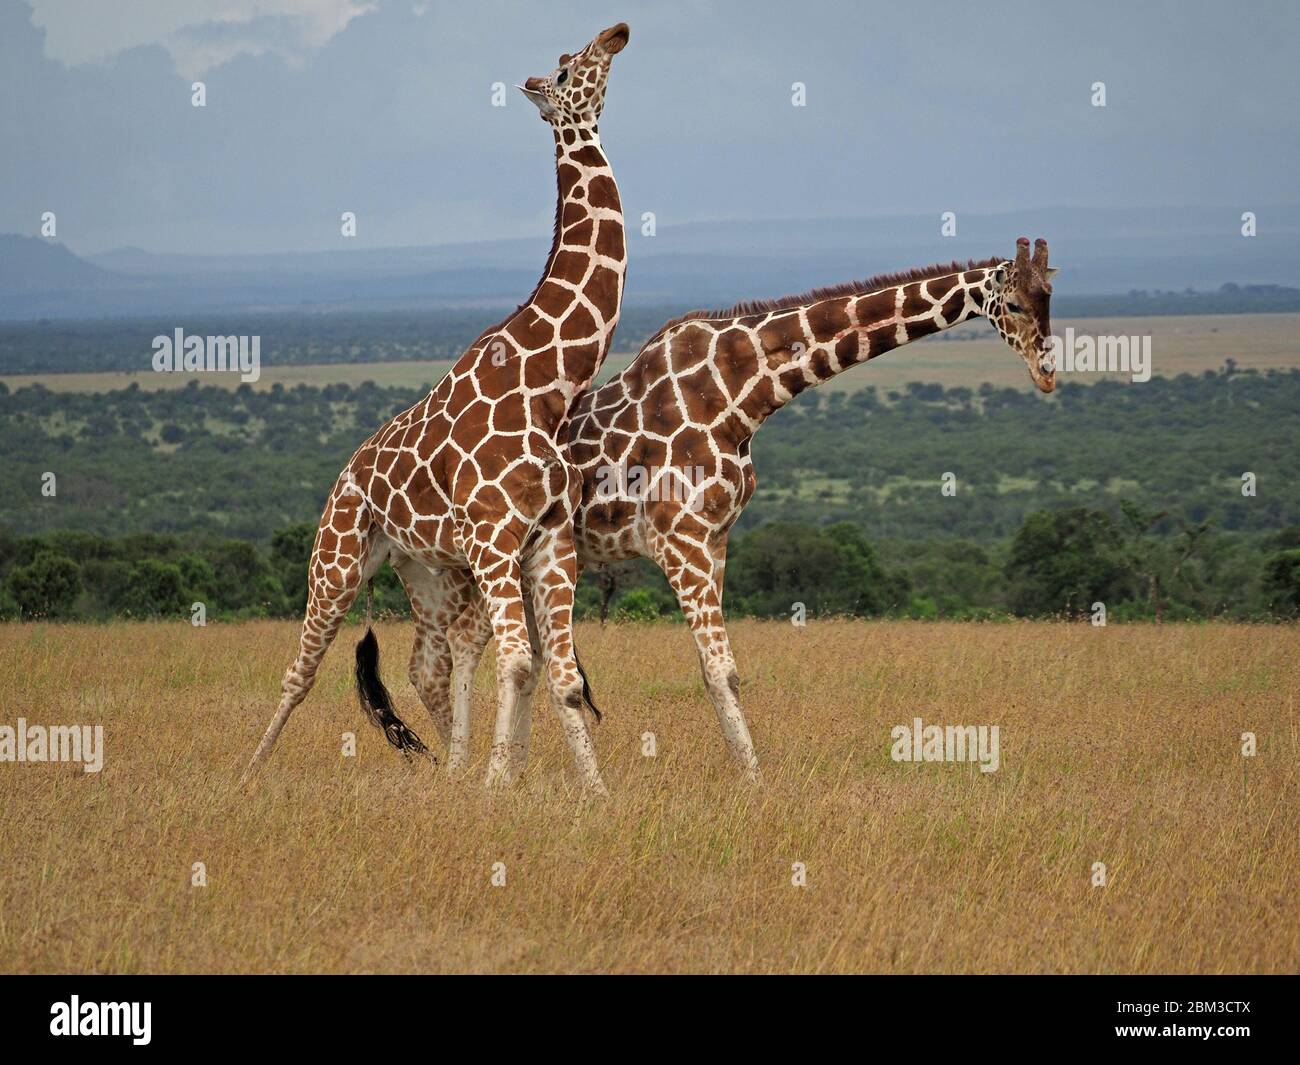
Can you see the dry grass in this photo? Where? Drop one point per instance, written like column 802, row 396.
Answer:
column 1118, row 745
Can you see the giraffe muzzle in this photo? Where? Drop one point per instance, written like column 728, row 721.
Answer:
column 535, row 90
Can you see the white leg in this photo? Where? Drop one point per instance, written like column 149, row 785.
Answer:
column 698, row 586
column 468, row 636
column 552, row 582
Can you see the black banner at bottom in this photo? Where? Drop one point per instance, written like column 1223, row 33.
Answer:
column 337, row 1013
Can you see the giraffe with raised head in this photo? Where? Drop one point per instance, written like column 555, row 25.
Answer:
column 470, row 488
column 685, row 410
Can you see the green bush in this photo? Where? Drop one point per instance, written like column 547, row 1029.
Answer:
column 156, row 589
column 47, row 588
column 638, row 604
column 1282, row 583
column 1063, row 561
column 831, row 571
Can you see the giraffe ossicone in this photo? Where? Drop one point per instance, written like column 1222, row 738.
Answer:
column 469, row 492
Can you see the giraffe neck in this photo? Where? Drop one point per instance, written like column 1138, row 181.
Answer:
column 581, row 289
column 804, row 346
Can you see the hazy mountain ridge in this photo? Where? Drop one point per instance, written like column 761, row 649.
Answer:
column 708, row 263
column 32, row 264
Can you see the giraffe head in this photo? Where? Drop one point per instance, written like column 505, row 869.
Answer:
column 1020, row 310
column 573, row 94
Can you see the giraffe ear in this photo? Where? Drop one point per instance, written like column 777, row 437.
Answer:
column 614, row 39
column 1051, row 272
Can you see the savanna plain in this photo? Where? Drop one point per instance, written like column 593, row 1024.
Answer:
column 1119, row 745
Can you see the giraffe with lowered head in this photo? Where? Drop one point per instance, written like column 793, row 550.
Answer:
column 685, row 410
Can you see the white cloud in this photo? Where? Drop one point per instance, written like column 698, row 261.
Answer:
column 198, row 34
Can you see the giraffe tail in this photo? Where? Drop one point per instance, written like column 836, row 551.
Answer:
column 377, row 704
column 586, row 687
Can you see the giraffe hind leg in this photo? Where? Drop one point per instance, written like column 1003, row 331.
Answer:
column 327, row 604
column 438, row 598
column 347, row 552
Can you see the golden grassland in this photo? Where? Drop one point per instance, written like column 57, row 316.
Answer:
column 1119, row 744
column 1180, row 344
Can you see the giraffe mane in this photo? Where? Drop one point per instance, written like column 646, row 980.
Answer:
column 556, row 231
column 827, row 292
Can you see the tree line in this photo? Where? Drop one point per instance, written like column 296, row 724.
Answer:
column 1174, row 498
column 243, row 463
column 1059, row 563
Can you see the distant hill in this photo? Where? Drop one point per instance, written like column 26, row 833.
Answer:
column 35, row 264
column 1101, row 251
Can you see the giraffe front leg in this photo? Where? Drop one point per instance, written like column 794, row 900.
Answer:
column 552, row 581
column 695, row 575
column 522, row 730
column 468, row 635
column 499, row 580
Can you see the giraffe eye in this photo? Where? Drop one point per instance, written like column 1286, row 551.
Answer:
column 562, row 77
column 1014, row 307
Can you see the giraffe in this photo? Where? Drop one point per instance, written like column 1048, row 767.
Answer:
column 469, row 488
column 685, row 411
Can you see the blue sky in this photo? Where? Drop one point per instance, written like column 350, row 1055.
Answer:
column 316, row 107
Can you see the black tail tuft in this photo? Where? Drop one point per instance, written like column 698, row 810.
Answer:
column 586, row 687
column 377, row 704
